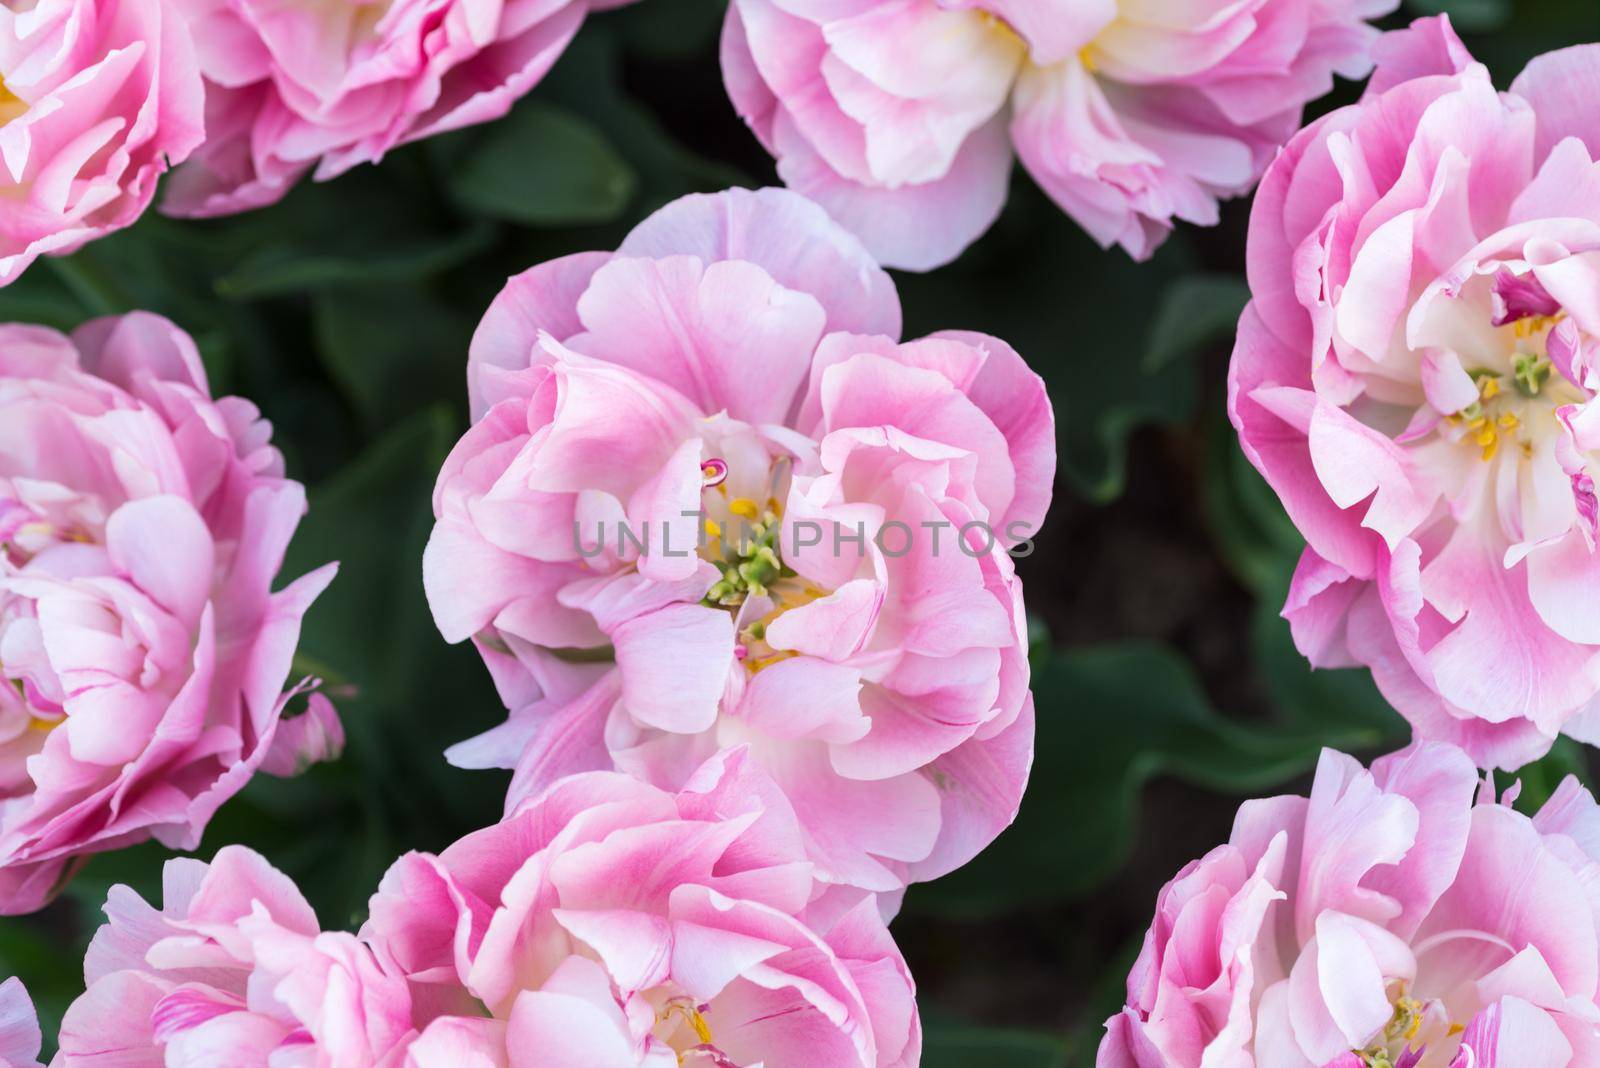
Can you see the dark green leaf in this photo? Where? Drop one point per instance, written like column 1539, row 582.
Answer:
column 1195, row 311
column 393, row 351
column 543, row 166
column 589, row 80
column 1110, row 718
column 278, row 269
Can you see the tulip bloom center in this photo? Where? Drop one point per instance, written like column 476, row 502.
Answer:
column 1489, row 429
column 1415, row 1023
column 743, row 539
column 1516, row 408
column 743, row 544
column 682, row 1025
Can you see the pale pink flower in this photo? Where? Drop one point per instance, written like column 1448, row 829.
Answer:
column 20, row 1038
column 297, row 88
column 97, row 99
column 232, row 970
column 1415, row 377
column 901, row 117
column 1387, row 920
column 847, row 608
column 609, row 924
column 142, row 650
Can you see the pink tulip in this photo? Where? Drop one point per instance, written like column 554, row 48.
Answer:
column 1415, row 377
column 901, row 117
column 844, row 605
column 232, row 970
column 144, row 654
column 19, row 1027
column 294, row 88
column 1388, row 920
column 609, row 924
column 97, row 99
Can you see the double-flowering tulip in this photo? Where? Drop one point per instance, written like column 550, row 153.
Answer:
column 1416, row 377
column 97, row 98
column 901, row 117
column 605, row 924
column 710, row 499
column 143, row 652
column 1388, row 920
column 610, row 924
column 231, row 969
column 293, row 88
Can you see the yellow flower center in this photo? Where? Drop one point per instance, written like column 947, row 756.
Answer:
column 1514, row 405
column 1486, row 422
column 1414, row 1025
column 11, row 105
column 681, row 1024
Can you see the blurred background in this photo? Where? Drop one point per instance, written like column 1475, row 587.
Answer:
column 1167, row 687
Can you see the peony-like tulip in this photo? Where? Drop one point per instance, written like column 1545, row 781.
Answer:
column 142, row 649
column 710, row 499
column 1388, row 920
column 901, row 117
column 20, row 1038
column 609, row 924
column 1416, row 378
column 296, row 88
column 232, row 970
column 97, row 99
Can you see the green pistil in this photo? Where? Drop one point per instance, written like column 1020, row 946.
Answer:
column 751, row 570
column 1531, row 372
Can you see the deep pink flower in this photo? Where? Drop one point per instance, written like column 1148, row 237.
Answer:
column 20, row 1038
column 97, row 99
column 232, row 970
column 847, row 608
column 293, row 88
column 901, row 116
column 1415, row 377
column 143, row 652
column 1387, row 920
column 609, row 924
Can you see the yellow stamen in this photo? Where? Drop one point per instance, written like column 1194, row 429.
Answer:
column 1086, row 57
column 760, row 664
column 691, row 1016
column 713, row 528
column 744, row 507
column 11, row 105
column 1533, row 325
column 1508, row 421
column 1490, row 389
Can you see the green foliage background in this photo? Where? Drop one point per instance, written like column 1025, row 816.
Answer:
column 1167, row 686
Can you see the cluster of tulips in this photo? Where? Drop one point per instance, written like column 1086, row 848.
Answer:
column 739, row 558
